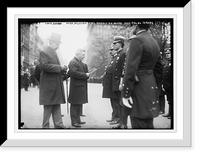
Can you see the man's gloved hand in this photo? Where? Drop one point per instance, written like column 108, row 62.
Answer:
column 128, row 102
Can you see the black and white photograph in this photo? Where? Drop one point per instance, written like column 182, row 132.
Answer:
column 90, row 77
column 95, row 74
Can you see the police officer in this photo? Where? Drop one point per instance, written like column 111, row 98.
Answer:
column 140, row 90
column 111, row 80
column 107, row 87
column 118, row 67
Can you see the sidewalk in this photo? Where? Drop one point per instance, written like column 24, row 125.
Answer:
column 97, row 111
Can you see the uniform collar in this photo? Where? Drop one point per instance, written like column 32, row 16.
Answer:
column 117, row 53
column 131, row 37
column 119, row 50
column 143, row 30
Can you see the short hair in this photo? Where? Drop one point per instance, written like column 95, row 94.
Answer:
column 78, row 51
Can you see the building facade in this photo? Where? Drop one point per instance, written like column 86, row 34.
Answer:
column 30, row 47
column 25, row 39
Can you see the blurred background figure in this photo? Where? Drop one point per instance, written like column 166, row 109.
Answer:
column 167, row 85
column 26, row 80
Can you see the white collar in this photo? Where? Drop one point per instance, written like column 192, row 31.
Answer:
column 78, row 58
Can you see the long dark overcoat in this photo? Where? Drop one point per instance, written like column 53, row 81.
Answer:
column 142, row 61
column 113, row 74
column 51, row 81
column 78, row 92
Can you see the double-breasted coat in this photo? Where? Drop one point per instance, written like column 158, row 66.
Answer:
column 51, row 81
column 143, row 61
column 113, row 74
column 78, row 92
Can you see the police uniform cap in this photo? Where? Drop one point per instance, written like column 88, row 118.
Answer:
column 118, row 39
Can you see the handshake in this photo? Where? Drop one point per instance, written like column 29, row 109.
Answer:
column 90, row 72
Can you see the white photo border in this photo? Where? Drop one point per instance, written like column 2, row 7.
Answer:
column 179, row 136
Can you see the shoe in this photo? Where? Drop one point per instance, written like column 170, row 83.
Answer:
column 81, row 122
column 21, row 124
column 120, row 126
column 124, row 126
column 114, row 122
column 117, row 127
column 166, row 115
column 109, row 120
column 83, row 115
column 63, row 127
column 76, row 125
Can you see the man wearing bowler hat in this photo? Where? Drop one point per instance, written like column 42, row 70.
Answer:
column 51, row 93
column 117, row 68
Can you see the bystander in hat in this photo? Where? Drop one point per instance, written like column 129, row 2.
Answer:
column 55, row 37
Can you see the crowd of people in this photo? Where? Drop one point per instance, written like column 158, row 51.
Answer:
column 28, row 80
column 136, row 82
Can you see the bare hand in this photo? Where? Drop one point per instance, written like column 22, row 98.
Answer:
column 64, row 68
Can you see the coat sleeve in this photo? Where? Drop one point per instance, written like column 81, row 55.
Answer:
column 74, row 72
column 37, row 72
column 132, row 62
column 87, row 71
column 47, row 66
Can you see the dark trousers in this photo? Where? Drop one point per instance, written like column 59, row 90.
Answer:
column 81, row 109
column 117, row 108
column 162, row 103
column 75, row 113
column 55, row 111
column 137, row 123
column 125, row 113
column 26, row 87
column 170, row 102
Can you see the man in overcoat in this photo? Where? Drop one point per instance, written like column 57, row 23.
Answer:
column 51, row 93
column 140, row 89
column 78, row 92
